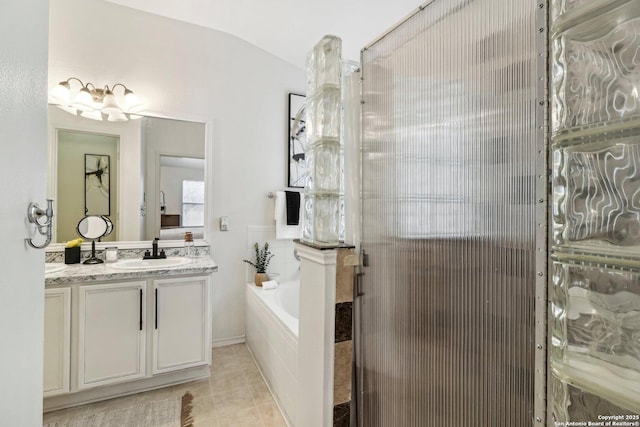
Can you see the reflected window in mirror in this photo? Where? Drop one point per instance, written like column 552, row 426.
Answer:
column 193, row 203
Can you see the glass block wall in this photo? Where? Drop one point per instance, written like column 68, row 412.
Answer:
column 594, row 316
column 324, row 154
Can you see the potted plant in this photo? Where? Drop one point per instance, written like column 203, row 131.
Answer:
column 263, row 257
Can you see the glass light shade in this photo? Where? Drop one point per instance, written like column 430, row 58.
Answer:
column 93, row 115
column 132, row 103
column 134, row 116
column 61, row 94
column 117, row 116
column 110, row 104
column 83, row 101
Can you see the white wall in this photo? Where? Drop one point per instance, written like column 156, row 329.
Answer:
column 23, row 140
column 189, row 72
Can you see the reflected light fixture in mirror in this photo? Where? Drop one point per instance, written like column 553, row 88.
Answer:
column 96, row 103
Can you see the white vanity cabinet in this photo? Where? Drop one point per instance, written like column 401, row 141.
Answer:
column 180, row 324
column 125, row 335
column 111, row 333
column 57, row 340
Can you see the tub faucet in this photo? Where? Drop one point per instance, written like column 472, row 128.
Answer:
column 154, row 254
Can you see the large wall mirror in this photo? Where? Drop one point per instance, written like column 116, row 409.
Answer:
column 147, row 176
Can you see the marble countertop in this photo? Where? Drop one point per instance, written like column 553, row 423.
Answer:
column 79, row 273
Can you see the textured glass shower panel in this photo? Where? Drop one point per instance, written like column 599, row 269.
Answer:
column 561, row 7
column 596, row 189
column 323, row 64
column 574, row 403
column 324, row 120
column 328, row 59
column 323, row 175
column 563, row 10
column 596, row 71
column 449, row 163
column 322, row 220
column 595, row 331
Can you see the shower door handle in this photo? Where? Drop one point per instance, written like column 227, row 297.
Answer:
column 358, row 278
column 359, row 274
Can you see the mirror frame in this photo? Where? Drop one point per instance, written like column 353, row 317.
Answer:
column 82, row 126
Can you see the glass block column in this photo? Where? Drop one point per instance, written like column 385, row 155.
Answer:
column 324, row 153
column 594, row 294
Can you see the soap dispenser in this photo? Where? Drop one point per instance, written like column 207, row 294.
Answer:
column 189, row 246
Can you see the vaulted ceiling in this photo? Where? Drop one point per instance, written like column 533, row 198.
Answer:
column 287, row 28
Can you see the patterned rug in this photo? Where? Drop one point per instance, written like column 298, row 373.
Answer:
column 174, row 412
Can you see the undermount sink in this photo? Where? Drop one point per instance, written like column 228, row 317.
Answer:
column 148, row 264
column 53, row 267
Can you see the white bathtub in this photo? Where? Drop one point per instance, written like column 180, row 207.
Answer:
column 272, row 337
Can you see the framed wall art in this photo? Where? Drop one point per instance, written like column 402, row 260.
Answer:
column 297, row 174
column 97, row 179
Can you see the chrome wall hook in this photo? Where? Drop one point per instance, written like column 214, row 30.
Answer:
column 43, row 220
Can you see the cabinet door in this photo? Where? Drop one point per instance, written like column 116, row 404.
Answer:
column 111, row 331
column 57, row 336
column 181, row 324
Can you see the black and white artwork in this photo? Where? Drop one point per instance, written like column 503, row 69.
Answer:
column 297, row 141
column 97, row 178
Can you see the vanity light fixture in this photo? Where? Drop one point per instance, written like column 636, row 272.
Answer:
column 96, row 103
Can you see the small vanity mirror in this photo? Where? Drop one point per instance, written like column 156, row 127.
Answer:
column 94, row 227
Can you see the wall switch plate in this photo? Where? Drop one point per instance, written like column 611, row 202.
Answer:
column 224, row 223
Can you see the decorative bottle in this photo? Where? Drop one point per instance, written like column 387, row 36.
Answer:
column 189, row 246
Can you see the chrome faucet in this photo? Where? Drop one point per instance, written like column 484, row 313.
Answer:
column 154, row 254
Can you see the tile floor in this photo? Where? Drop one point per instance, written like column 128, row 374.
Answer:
column 235, row 395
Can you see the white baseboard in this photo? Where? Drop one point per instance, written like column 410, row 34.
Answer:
column 227, row 341
column 97, row 394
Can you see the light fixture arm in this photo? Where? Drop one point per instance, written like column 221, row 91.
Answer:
column 119, row 84
column 75, row 78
